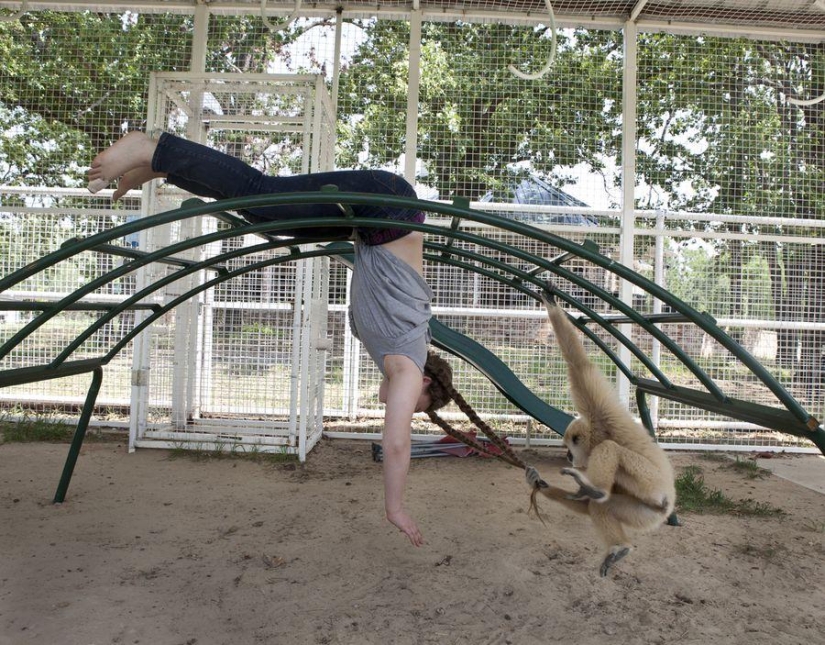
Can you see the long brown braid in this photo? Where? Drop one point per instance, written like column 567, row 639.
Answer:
column 442, row 392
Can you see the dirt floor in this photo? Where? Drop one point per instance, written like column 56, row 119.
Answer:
column 159, row 551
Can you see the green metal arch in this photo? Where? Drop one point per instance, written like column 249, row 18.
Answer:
column 444, row 253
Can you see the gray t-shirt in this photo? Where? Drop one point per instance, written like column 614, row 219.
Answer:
column 390, row 306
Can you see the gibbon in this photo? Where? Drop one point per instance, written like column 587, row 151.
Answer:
column 625, row 479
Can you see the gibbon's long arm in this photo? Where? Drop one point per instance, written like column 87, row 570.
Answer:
column 593, row 395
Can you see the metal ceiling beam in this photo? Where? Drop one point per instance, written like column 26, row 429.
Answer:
column 634, row 15
column 805, row 31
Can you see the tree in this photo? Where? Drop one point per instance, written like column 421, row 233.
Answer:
column 475, row 119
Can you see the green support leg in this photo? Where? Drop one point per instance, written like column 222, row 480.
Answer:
column 647, row 420
column 79, row 435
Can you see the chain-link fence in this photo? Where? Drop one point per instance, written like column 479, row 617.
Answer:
column 727, row 197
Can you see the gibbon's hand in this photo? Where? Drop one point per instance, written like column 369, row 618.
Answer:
column 533, row 478
column 586, row 489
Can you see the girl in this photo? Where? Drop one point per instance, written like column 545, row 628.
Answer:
column 390, row 304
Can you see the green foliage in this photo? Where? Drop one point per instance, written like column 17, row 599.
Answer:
column 702, row 102
column 260, row 329
column 195, row 452
column 475, row 118
column 107, row 59
column 702, row 276
column 73, row 81
column 34, row 427
column 693, row 495
column 749, row 468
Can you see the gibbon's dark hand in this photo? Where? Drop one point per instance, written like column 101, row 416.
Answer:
column 533, row 478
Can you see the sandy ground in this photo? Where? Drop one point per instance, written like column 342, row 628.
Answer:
column 160, row 551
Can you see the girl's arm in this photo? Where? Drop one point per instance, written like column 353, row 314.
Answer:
column 402, row 389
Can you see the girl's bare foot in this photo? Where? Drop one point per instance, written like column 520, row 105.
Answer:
column 134, row 179
column 132, row 152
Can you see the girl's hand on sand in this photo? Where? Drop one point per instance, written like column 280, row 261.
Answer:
column 407, row 525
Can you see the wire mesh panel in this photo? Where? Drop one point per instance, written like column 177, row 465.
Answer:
column 734, row 168
column 758, row 296
column 58, row 107
column 34, row 223
column 722, row 151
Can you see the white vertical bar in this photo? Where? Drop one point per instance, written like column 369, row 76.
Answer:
column 295, row 367
column 308, row 122
column 413, row 82
column 324, row 103
column 336, row 59
column 628, row 183
column 139, row 396
column 197, row 62
column 199, row 309
column 658, row 278
column 317, row 119
column 140, row 382
column 190, row 333
column 323, row 343
column 307, row 348
column 352, row 366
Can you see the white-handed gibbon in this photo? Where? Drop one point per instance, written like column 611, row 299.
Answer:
column 625, row 479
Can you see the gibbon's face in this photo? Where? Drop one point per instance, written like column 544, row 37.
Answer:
column 577, row 441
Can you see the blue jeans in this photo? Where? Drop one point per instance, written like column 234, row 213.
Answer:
column 210, row 173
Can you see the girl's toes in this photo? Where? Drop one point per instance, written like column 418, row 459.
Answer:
column 96, row 185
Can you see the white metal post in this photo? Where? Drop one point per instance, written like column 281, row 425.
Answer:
column 413, row 82
column 315, row 115
column 308, row 123
column 320, row 315
column 307, row 347
column 295, row 367
column 658, row 278
column 626, row 252
column 189, row 328
column 197, row 62
column 352, row 364
column 141, row 349
column 336, row 59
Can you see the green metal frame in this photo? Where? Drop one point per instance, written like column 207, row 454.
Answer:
column 474, row 353
column 790, row 417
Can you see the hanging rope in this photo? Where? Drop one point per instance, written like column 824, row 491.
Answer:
column 533, row 77
column 818, row 99
column 805, row 102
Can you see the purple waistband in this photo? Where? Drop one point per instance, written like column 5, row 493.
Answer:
column 378, row 236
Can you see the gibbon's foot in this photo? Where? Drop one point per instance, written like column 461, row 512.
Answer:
column 533, row 478
column 133, row 151
column 616, row 554
column 586, row 489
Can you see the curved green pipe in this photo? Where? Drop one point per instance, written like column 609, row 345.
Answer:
column 450, row 210
column 131, row 302
column 523, row 276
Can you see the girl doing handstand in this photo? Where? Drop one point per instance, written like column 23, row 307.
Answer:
column 390, row 304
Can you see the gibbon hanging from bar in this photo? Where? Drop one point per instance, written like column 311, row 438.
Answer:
column 625, row 479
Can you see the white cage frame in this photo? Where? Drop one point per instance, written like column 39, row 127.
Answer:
column 294, row 430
